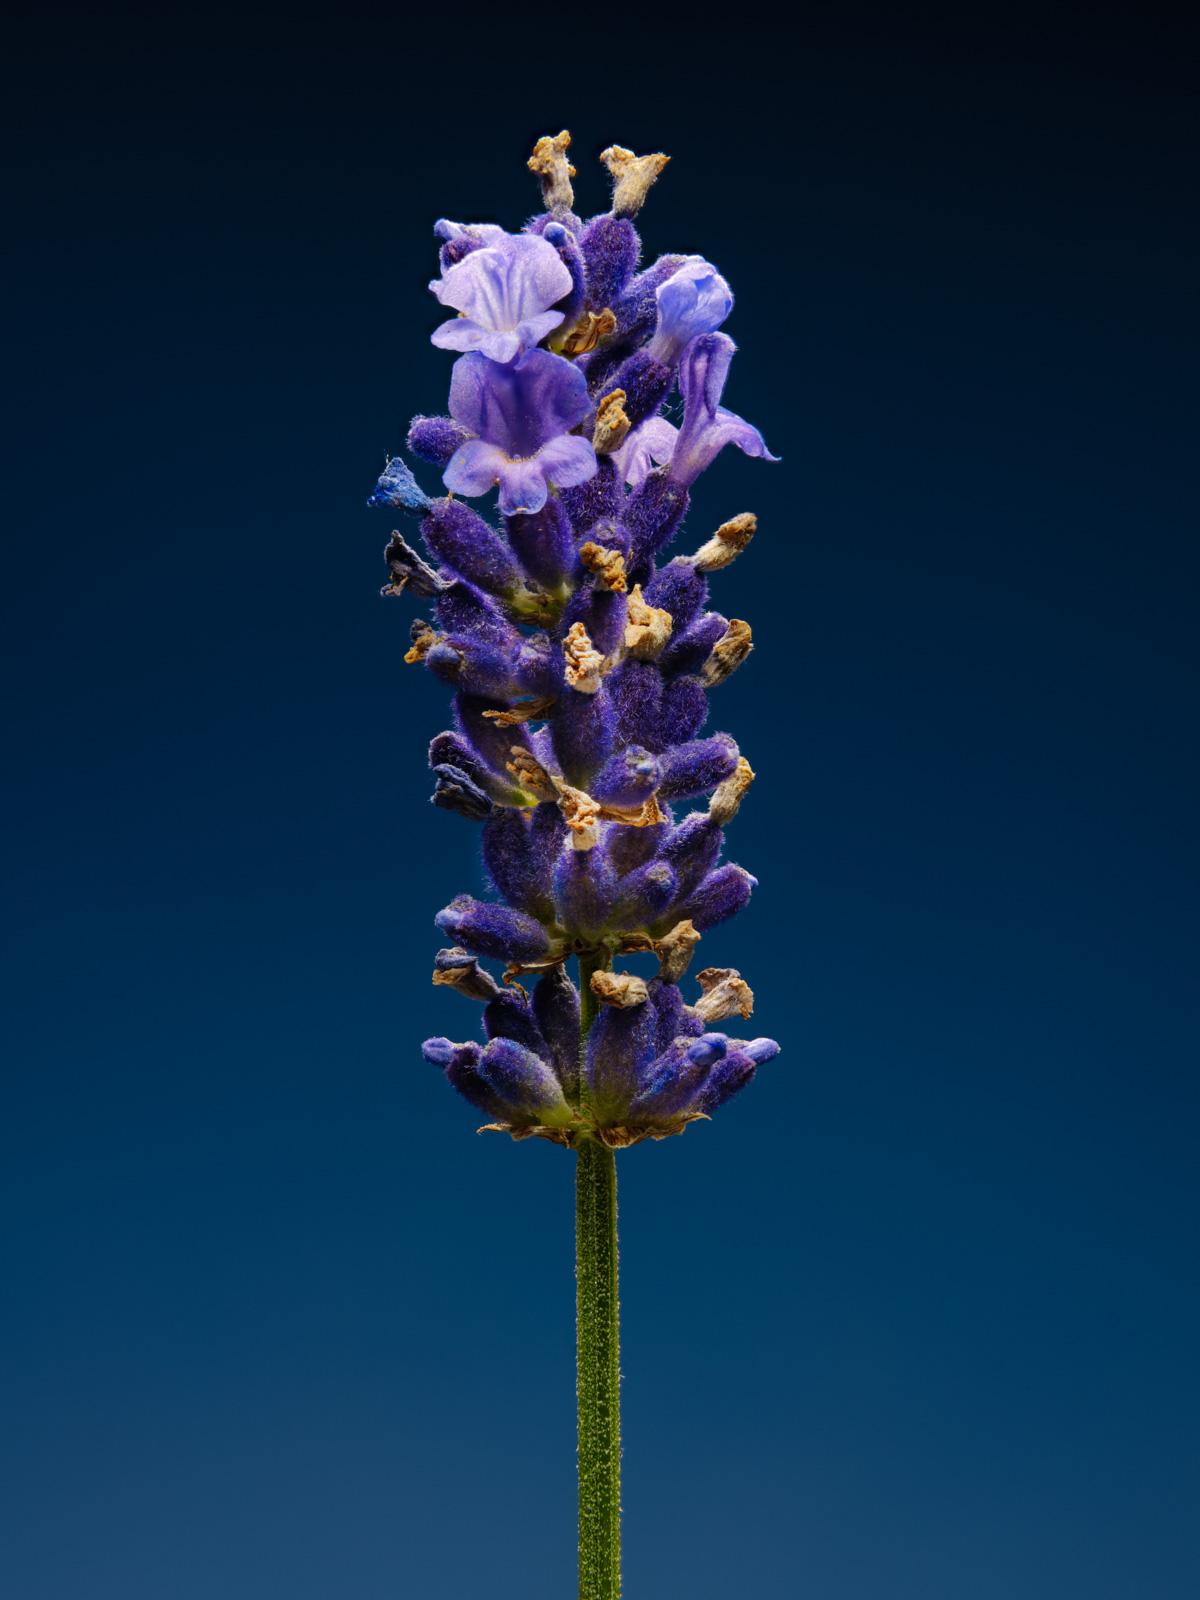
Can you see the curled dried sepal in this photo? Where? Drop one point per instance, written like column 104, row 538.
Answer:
column 583, row 661
column 730, row 539
column 647, row 629
column 423, row 640
column 725, row 994
column 611, row 423
column 730, row 650
column 523, row 711
column 554, row 171
column 632, row 177
column 606, row 566
column 620, row 989
column 588, row 332
column 674, row 950
column 728, row 796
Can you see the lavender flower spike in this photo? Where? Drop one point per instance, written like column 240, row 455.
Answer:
column 521, row 415
column 502, row 292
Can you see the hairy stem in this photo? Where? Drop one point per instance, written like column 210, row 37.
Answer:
column 599, row 1372
column 597, row 1345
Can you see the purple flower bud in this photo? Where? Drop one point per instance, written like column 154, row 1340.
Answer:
column 693, row 301
column 456, row 792
column 698, row 767
column 627, row 779
column 734, row 1072
column 680, row 589
column 620, row 1046
column 599, row 499
column 460, row 1063
column 572, row 303
column 451, row 749
column 584, row 886
column 508, row 1017
column 398, row 490
column 544, row 543
column 556, row 1009
column 693, row 850
column 643, row 896
column 442, row 1052
column 720, row 896
column 610, row 247
column 524, row 1082
column 491, row 930
column 636, row 688
column 435, row 439
column 602, row 612
column 461, row 539
column 676, row 1078
column 520, row 860
column 652, row 514
column 646, row 383
column 688, row 650
column 684, row 710
column 583, row 732
column 631, row 848
column 671, row 1020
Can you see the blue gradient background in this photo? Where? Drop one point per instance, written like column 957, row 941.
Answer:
column 916, row 1318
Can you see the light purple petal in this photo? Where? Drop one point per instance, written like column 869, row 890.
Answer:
column 693, row 301
column 651, row 443
column 522, row 486
column 568, row 460
column 519, row 407
column 503, row 284
column 463, row 334
column 707, row 426
column 474, row 467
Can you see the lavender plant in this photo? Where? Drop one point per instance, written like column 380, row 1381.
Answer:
column 581, row 662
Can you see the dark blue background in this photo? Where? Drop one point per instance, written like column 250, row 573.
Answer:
column 915, row 1319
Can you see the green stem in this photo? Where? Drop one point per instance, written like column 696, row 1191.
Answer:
column 599, row 1372
column 597, row 1345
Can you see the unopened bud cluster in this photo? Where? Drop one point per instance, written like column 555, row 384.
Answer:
column 581, row 661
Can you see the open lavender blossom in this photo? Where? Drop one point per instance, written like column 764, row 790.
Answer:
column 581, row 661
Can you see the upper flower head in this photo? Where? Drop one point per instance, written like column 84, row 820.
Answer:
column 503, row 291
column 694, row 300
column 521, row 414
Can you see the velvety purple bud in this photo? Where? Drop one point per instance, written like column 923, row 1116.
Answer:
column 636, row 688
column 627, row 779
column 465, row 664
column 684, row 710
column 620, row 1046
column 569, row 253
column 583, row 731
column 465, row 610
column 759, row 1050
column 398, row 490
column 460, row 1063
column 734, row 1072
column 603, row 613
column 435, row 439
column 411, row 573
column 687, row 651
column 610, row 247
column 508, row 1017
column 517, row 864
column 722, row 895
column 451, row 749
column 646, row 383
column 643, row 896
column 609, row 534
column 461, row 539
column 584, row 886
column 630, row 848
column 537, row 667
column 495, row 931
column 680, row 589
column 456, row 792
column 544, row 543
column 599, row 499
column 698, row 767
column 652, row 513
column 676, row 1078
column 693, row 849
column 555, row 1002
column 523, row 1081
column 636, row 309
column 670, row 1019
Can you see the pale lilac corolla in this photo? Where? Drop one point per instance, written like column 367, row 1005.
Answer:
column 707, row 426
column 502, row 291
column 694, row 300
column 651, row 444
column 521, row 414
